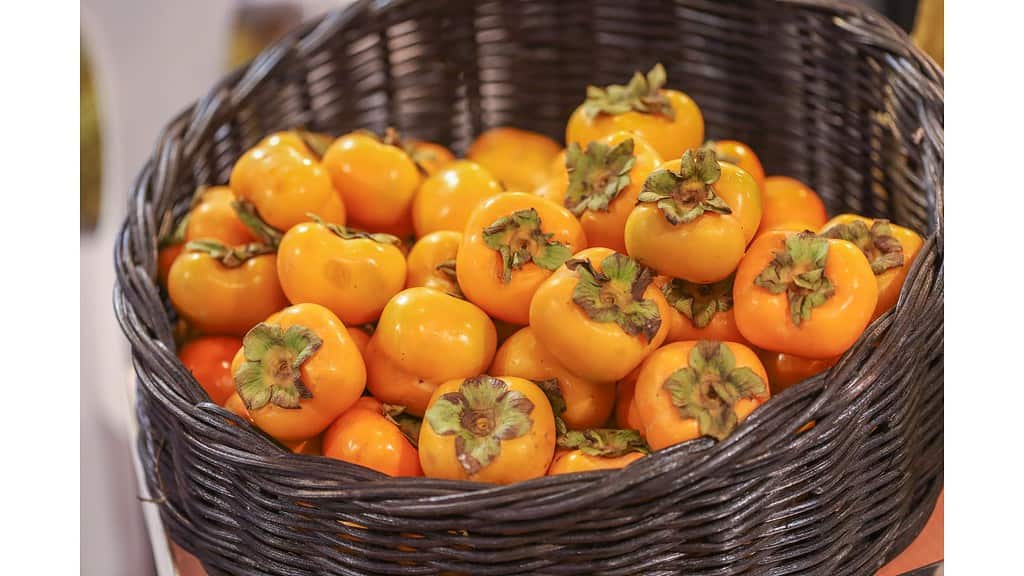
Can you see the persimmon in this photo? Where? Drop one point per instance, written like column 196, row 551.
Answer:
column 297, row 371
column 700, row 311
column 682, row 227
column 225, row 291
column 235, row 405
column 600, row 315
column 572, row 461
column 686, row 390
column 213, row 217
column 600, row 184
column 363, row 435
column 424, row 338
column 431, row 262
column 738, row 154
column 447, row 197
column 351, row 272
column 377, row 180
column 360, row 338
column 789, row 204
column 165, row 259
column 803, row 294
column 626, row 416
column 735, row 186
column 512, row 243
column 588, row 403
column 669, row 120
column 890, row 249
column 497, row 430
column 209, row 360
column 785, row 370
column 429, row 156
column 519, row 159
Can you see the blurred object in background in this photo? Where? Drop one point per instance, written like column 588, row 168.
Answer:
column 928, row 29
column 90, row 151
column 256, row 25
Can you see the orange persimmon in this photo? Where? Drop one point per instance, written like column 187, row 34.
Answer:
column 209, row 360
column 363, row 435
column 431, row 262
column 785, row 370
column 519, row 159
column 739, row 154
column 700, row 311
column 571, row 461
column 789, row 204
column 446, row 198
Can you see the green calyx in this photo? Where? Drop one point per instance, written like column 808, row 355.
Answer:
column 616, row 294
column 482, row 414
column 552, row 390
column 685, row 196
column 246, row 212
column 519, row 239
column 882, row 249
column 230, row 256
column 799, row 271
column 642, row 94
column 355, row 234
column 708, row 389
column 597, row 175
column 713, row 147
column 408, row 424
column 699, row 302
column 271, row 372
column 607, row 442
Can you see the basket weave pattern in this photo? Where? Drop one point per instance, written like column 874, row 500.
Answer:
column 825, row 92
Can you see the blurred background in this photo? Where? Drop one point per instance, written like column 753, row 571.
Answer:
column 142, row 62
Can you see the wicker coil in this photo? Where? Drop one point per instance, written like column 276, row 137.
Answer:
column 829, row 93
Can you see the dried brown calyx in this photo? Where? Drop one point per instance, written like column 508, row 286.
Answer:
column 642, row 94
column 882, row 249
column 699, row 302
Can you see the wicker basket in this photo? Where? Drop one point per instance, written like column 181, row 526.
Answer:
column 825, row 92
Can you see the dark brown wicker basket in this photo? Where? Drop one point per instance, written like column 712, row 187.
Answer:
column 826, row 92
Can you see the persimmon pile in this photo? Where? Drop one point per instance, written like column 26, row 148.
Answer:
column 530, row 309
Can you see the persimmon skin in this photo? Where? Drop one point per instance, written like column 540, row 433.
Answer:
column 891, row 281
column 208, row 358
column 430, row 156
column 739, row 190
column 785, row 370
column 219, row 300
column 517, row 158
column 214, row 218
column 165, row 259
column 353, row 277
column 789, row 204
column 663, row 425
column 607, row 228
column 445, row 199
column 738, row 153
column 705, row 250
column 669, row 137
column 764, row 318
column 572, row 461
column 626, row 416
column 521, row 458
column 479, row 267
column 588, row 403
column 424, row 338
column 360, row 338
column 362, row 435
column 424, row 257
column 722, row 326
column 601, row 352
column 236, row 406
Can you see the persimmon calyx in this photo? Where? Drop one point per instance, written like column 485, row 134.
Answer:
column 642, row 94
column 519, row 239
column 882, row 249
column 246, row 212
column 607, row 442
column 347, row 233
column 708, row 389
column 799, row 271
column 271, row 372
column 481, row 415
column 230, row 256
column 552, row 390
column 408, row 424
column 616, row 294
column 597, row 175
column 699, row 302
column 722, row 156
column 685, row 196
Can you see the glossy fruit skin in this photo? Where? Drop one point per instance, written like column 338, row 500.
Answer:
column 424, row 338
column 669, row 137
column 785, row 370
column 601, row 352
column 663, row 425
column 891, row 281
column 764, row 318
column 446, row 198
column 430, row 156
column 165, row 259
column 788, row 204
column 429, row 251
column 334, row 374
column 517, row 158
column 521, row 458
column 235, row 405
column 360, row 338
column 354, row 277
column 209, row 359
column 569, row 462
column 607, row 228
column 705, row 250
column 363, row 436
column 721, row 327
column 213, row 218
column 479, row 266
column 219, row 300
column 588, row 404
column 377, row 182
column 285, row 184
column 739, row 154
column 626, row 416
